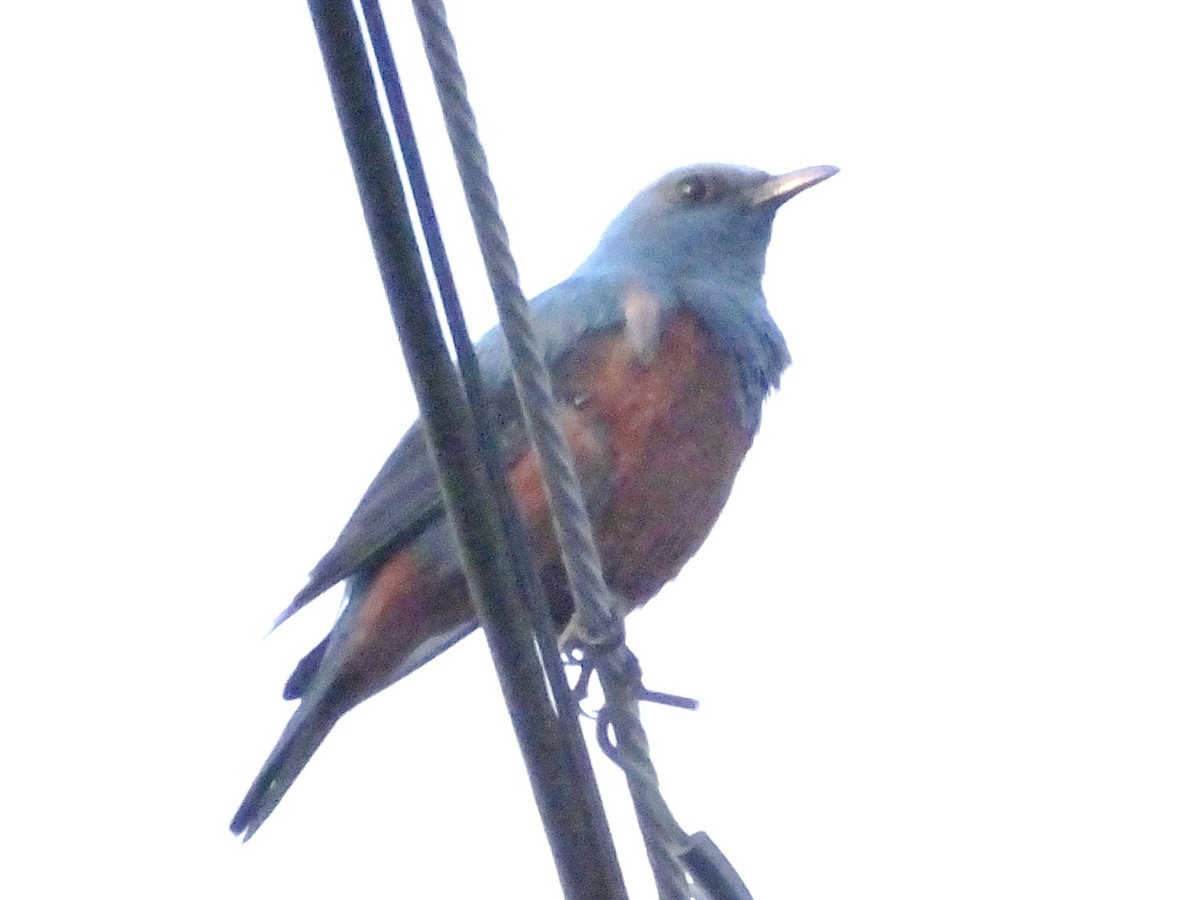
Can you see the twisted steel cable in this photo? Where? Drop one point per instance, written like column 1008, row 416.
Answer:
column 600, row 630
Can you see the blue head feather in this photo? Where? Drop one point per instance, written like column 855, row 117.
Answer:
column 697, row 239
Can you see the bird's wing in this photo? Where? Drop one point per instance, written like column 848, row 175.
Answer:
column 404, row 499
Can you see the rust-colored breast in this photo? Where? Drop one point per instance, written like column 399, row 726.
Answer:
column 673, row 439
column 657, row 438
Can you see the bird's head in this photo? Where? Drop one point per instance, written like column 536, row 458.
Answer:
column 707, row 221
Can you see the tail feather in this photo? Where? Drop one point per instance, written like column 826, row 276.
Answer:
column 304, row 733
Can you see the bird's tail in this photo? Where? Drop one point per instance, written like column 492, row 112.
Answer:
column 303, row 735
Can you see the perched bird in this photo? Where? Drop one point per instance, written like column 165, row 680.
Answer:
column 661, row 351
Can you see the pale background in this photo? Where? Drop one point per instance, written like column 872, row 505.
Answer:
column 945, row 636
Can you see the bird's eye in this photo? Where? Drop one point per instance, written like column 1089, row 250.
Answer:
column 698, row 188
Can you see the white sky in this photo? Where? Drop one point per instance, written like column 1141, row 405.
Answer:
column 945, row 636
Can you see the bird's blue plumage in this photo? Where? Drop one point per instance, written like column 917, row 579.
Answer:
column 683, row 263
column 705, row 255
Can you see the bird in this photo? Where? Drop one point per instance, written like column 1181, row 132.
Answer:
column 661, row 353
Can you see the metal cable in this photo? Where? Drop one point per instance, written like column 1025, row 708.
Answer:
column 534, row 391
column 581, row 847
column 621, row 679
column 586, row 792
column 600, row 630
column 468, row 361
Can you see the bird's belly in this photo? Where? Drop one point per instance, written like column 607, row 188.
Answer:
column 657, row 443
column 673, row 439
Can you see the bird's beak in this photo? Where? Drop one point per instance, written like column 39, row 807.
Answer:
column 780, row 188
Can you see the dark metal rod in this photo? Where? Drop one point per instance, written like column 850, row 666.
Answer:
column 586, row 862
column 522, row 562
